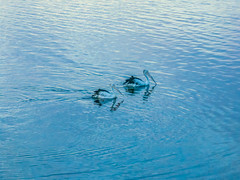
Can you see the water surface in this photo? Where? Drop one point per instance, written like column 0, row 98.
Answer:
column 54, row 54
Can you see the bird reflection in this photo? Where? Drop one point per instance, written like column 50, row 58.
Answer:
column 134, row 90
column 148, row 92
column 115, row 105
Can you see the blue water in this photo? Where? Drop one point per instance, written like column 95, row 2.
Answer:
column 54, row 54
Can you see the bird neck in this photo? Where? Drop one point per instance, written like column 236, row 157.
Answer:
column 147, row 79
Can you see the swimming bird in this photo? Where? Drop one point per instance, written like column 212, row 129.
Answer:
column 134, row 82
column 104, row 94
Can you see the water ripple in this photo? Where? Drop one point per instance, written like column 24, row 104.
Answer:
column 54, row 54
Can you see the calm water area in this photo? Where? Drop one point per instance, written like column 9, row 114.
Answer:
column 55, row 53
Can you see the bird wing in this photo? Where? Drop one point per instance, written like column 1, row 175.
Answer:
column 132, row 80
column 100, row 90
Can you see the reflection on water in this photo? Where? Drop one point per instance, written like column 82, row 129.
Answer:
column 135, row 90
column 54, row 54
column 148, row 92
column 115, row 103
column 115, row 106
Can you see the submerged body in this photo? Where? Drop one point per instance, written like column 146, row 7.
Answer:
column 135, row 82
